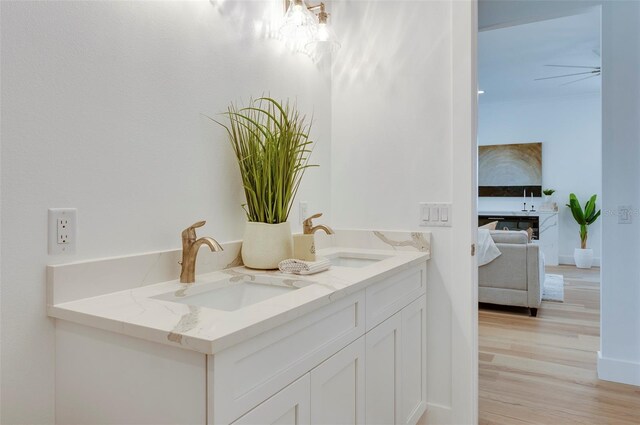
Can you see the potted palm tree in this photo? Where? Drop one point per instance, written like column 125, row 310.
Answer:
column 583, row 256
column 272, row 146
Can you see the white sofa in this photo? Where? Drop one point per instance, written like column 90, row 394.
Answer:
column 516, row 277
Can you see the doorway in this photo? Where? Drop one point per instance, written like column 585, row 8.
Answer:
column 546, row 76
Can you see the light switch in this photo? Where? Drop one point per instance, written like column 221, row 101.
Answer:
column 424, row 216
column 435, row 213
column 444, row 214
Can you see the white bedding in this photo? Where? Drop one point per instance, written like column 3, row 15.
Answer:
column 487, row 249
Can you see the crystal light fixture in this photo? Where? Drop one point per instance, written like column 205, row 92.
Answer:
column 302, row 28
column 299, row 24
column 325, row 40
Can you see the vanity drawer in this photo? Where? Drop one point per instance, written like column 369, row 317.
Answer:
column 386, row 298
column 246, row 374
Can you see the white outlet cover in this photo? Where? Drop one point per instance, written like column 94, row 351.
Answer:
column 625, row 214
column 62, row 230
column 303, row 213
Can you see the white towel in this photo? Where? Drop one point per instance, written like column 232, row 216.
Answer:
column 487, row 249
column 304, row 267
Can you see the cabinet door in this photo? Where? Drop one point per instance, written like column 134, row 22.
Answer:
column 383, row 357
column 414, row 362
column 290, row 406
column 337, row 387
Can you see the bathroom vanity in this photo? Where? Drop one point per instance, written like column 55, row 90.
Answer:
column 245, row 347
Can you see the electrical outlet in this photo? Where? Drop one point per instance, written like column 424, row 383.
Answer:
column 304, row 211
column 62, row 231
column 625, row 214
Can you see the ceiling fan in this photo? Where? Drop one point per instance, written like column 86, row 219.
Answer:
column 594, row 71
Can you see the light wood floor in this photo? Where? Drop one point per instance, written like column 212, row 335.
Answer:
column 542, row 370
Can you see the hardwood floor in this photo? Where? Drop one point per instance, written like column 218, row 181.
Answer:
column 542, row 370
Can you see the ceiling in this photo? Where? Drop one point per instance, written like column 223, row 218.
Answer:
column 511, row 58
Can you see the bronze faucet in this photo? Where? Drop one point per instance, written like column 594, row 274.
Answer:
column 308, row 228
column 190, row 247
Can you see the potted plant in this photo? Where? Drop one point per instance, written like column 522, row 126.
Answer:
column 272, row 146
column 547, row 195
column 583, row 256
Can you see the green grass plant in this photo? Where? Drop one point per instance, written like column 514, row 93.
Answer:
column 271, row 143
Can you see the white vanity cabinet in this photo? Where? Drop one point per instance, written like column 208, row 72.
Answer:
column 383, row 361
column 332, row 393
column 290, row 406
column 412, row 401
column 396, row 367
column 358, row 359
column 338, row 387
column 248, row 373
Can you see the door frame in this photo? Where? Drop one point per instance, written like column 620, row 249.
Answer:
column 464, row 349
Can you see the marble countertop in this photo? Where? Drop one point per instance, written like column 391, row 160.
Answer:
column 133, row 312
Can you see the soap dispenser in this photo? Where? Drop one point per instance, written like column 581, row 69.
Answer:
column 304, row 247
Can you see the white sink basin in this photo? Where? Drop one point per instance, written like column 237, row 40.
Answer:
column 354, row 260
column 234, row 293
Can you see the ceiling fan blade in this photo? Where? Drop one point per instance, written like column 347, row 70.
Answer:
column 566, row 75
column 580, row 79
column 574, row 66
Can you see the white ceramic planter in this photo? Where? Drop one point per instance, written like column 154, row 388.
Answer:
column 265, row 245
column 583, row 258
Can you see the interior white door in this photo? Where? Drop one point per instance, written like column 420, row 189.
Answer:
column 290, row 406
column 338, row 387
column 383, row 357
column 414, row 362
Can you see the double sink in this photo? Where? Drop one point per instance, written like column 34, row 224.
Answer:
column 242, row 290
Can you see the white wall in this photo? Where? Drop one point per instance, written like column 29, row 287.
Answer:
column 620, row 299
column 570, row 131
column 393, row 127
column 101, row 110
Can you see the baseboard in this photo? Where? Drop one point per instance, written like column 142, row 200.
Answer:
column 621, row 371
column 437, row 414
column 567, row 260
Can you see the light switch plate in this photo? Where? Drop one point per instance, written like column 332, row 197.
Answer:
column 436, row 214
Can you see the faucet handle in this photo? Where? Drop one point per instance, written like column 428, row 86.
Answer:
column 313, row 216
column 307, row 224
column 190, row 232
